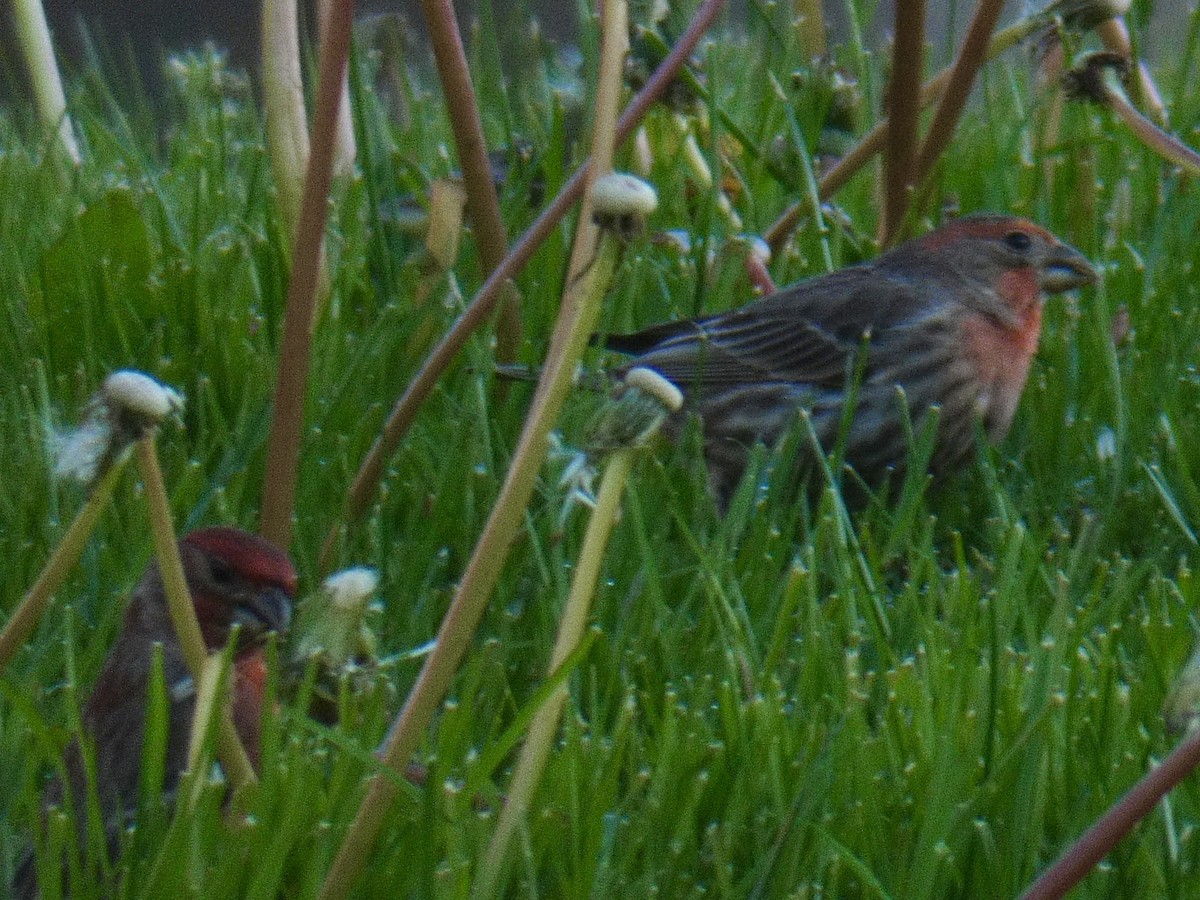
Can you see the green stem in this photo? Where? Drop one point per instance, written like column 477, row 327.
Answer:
column 33, row 34
column 22, row 622
column 209, row 692
column 542, row 729
column 183, row 613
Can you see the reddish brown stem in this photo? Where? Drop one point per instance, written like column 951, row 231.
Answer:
column 904, row 108
column 971, row 57
column 873, row 141
column 1102, row 837
column 366, row 482
column 759, row 275
column 283, row 444
column 463, row 108
column 1115, row 35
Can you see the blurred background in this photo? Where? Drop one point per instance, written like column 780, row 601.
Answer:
column 138, row 35
column 142, row 33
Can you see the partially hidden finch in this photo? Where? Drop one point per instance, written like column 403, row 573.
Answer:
column 951, row 318
column 235, row 578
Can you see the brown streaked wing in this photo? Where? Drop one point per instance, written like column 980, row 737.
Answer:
column 804, row 334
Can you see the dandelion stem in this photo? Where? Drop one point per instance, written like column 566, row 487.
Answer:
column 536, row 750
column 1115, row 35
column 904, row 106
column 179, row 604
column 482, row 203
column 33, row 34
column 971, row 57
column 291, row 387
column 1108, row 831
column 593, row 261
column 22, row 622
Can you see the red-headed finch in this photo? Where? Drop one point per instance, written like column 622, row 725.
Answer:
column 235, row 578
column 952, row 318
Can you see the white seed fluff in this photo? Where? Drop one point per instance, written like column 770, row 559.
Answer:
column 352, row 588
column 139, row 394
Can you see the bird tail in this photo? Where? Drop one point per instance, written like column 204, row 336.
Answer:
column 588, row 380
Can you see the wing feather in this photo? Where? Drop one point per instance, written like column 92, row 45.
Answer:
column 805, row 334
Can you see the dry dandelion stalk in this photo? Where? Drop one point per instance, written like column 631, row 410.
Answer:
column 1098, row 78
column 345, row 149
column 230, row 750
column 1121, row 818
column 483, row 205
column 1115, row 35
column 593, row 261
column 128, row 404
column 971, row 57
column 904, row 109
column 291, row 388
column 638, row 410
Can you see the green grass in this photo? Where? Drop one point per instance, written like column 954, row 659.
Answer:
column 928, row 704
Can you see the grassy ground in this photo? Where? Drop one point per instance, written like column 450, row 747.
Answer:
column 928, row 702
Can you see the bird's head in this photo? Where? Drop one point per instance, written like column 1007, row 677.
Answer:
column 237, row 578
column 1017, row 261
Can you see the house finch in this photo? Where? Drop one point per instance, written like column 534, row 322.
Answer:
column 235, row 578
column 952, row 318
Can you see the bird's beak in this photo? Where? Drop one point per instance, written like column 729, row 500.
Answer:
column 268, row 610
column 1066, row 268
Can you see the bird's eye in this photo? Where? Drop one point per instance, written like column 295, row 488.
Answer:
column 222, row 572
column 1017, row 240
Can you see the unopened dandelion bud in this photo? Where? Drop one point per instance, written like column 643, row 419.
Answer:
column 447, row 204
